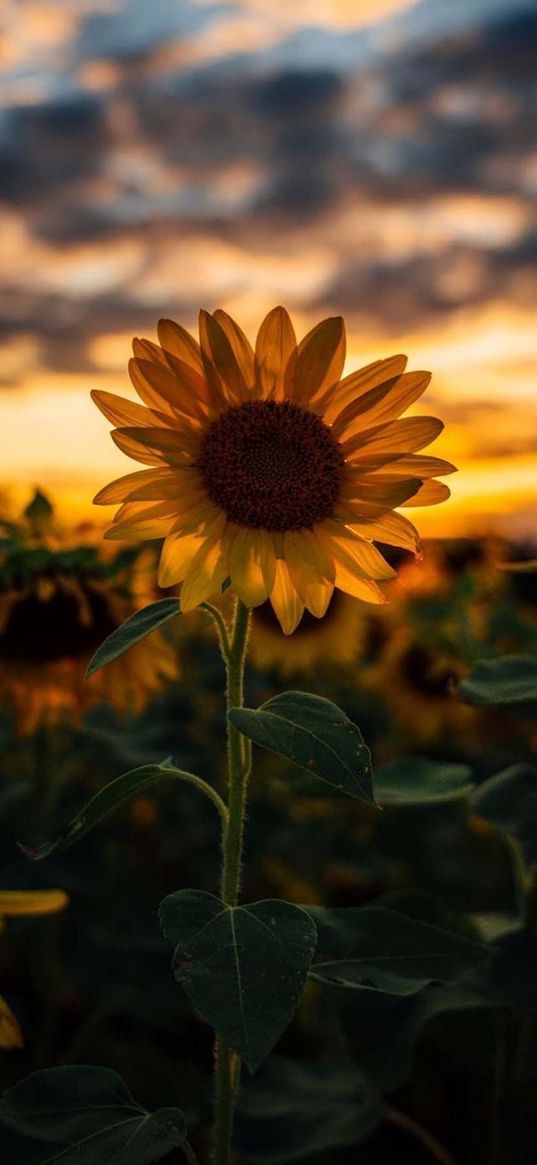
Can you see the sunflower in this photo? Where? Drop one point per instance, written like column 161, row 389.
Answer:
column 266, row 467
column 337, row 638
column 19, row 903
column 59, row 598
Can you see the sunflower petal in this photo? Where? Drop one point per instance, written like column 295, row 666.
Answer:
column 135, row 449
column 357, row 384
column 177, row 446
column 139, row 531
column 147, row 350
column 415, row 465
column 275, row 344
column 252, row 565
column 365, row 499
column 22, row 902
column 240, row 345
column 393, row 529
column 141, row 511
column 120, row 489
column 206, row 572
column 10, row 1032
column 175, row 339
column 404, row 436
column 287, row 606
column 355, row 553
column 219, row 364
column 178, row 552
column 430, row 493
column 311, row 568
column 125, row 412
column 320, row 357
column 380, row 405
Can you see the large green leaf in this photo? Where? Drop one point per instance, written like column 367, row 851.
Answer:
column 83, row 1115
column 381, row 950
column 420, row 781
column 243, row 967
column 105, row 801
column 315, row 734
column 509, row 800
column 294, row 1109
column 134, row 628
column 509, row 681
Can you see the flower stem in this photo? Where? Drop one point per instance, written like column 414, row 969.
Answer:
column 227, row 1066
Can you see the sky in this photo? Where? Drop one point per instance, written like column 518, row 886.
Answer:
column 371, row 158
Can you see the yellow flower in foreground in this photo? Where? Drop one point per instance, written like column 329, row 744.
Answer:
column 266, row 467
column 18, row 903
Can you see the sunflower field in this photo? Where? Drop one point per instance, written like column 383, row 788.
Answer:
column 353, row 968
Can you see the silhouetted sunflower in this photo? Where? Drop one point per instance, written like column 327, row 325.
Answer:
column 58, row 601
column 266, row 467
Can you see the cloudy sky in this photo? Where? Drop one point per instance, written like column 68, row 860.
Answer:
column 375, row 158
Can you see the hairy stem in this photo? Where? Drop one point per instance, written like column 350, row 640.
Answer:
column 227, row 1066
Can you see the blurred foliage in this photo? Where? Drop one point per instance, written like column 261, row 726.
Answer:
column 94, row 984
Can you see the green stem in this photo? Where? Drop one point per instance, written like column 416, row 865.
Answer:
column 227, row 1066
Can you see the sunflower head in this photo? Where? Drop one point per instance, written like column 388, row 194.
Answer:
column 59, row 598
column 264, row 466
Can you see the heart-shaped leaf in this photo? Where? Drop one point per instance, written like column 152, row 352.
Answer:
column 84, row 1115
column 420, row 781
column 315, row 734
column 382, row 950
column 509, row 801
column 134, row 628
column 243, row 967
column 294, row 1109
column 109, row 797
column 509, row 681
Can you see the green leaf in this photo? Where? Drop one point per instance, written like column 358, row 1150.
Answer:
column 106, row 800
column 382, row 950
column 420, row 781
column 84, row 1115
column 134, row 628
column 510, row 682
column 243, row 967
column 509, row 801
column 294, row 1109
column 315, row 734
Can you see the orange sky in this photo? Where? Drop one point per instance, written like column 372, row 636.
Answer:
column 200, row 173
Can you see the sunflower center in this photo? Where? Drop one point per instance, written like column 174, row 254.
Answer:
column 271, row 464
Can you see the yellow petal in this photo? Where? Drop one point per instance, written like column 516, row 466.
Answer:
column 252, row 565
column 430, row 493
column 124, row 412
column 142, row 511
column 162, row 389
column 193, row 396
column 368, row 499
column 416, row 465
column 242, row 349
column 311, row 569
column 177, row 554
column 22, row 902
column 275, row 344
column 178, row 446
column 135, row 449
column 380, row 405
column 287, row 606
column 180, row 343
column 354, row 553
column 319, row 360
column 358, row 383
column 170, row 484
column 138, row 531
column 207, row 571
column 147, row 350
column 10, row 1032
column 393, row 529
column 404, row 436
column 143, row 479
column 218, row 354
